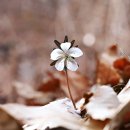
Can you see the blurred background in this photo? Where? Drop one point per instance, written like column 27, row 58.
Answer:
column 29, row 27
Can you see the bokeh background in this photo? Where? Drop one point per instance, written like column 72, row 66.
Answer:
column 29, row 27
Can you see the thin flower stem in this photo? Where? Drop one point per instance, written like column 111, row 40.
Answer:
column 67, row 79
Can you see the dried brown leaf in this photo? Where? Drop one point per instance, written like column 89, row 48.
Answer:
column 7, row 122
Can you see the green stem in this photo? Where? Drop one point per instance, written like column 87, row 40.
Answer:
column 67, row 79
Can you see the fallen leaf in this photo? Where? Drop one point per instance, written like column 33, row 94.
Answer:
column 56, row 82
column 7, row 122
column 26, row 94
column 119, row 122
column 102, row 104
column 57, row 114
column 123, row 67
column 79, row 83
column 106, row 73
column 105, row 103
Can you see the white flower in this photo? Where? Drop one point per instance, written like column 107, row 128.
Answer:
column 64, row 56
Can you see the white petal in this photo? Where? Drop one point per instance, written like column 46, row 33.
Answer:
column 56, row 54
column 65, row 46
column 72, row 64
column 60, row 64
column 75, row 52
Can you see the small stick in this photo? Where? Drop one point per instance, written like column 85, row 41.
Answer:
column 67, row 79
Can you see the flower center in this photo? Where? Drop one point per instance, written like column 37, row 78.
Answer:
column 66, row 55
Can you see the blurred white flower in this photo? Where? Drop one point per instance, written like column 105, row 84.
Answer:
column 64, row 56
